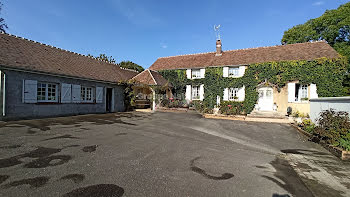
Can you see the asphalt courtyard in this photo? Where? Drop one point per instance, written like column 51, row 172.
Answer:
column 150, row 154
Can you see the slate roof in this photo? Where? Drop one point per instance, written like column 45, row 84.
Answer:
column 23, row 54
column 150, row 77
column 300, row 51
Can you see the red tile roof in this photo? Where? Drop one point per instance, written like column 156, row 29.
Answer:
column 20, row 53
column 150, row 77
column 300, row 51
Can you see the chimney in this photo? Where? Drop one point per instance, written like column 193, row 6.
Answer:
column 218, row 48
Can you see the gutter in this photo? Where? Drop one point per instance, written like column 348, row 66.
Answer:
column 55, row 75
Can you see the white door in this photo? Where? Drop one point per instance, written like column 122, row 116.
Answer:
column 265, row 101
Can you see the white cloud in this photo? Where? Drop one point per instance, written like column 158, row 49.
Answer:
column 164, row 46
column 318, row 3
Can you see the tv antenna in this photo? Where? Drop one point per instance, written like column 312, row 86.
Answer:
column 217, row 31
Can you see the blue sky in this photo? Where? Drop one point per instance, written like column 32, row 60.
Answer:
column 142, row 31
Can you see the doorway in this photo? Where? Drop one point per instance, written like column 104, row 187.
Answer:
column 109, row 94
column 265, row 101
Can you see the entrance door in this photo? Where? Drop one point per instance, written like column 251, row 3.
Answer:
column 265, row 101
column 109, row 99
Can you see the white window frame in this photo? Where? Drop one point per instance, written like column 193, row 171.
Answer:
column 195, row 92
column 87, row 94
column 232, row 93
column 233, row 72
column 196, row 73
column 46, row 92
column 303, row 92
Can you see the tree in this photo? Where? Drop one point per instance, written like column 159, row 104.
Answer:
column 333, row 26
column 124, row 64
column 3, row 25
column 131, row 65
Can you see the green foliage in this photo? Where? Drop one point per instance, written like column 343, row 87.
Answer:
column 131, row 65
column 3, row 25
column 231, row 108
column 333, row 128
column 129, row 97
column 333, row 26
column 327, row 74
column 178, row 80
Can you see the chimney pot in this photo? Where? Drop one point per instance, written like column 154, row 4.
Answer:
column 218, row 48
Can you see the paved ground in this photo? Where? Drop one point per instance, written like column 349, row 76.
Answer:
column 161, row 154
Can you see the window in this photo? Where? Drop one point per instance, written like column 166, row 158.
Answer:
column 196, row 74
column 47, row 92
column 303, row 90
column 233, row 94
column 233, row 72
column 195, row 92
column 86, row 94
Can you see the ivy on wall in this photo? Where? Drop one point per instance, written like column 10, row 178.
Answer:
column 327, row 74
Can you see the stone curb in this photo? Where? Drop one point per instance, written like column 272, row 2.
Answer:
column 245, row 118
column 338, row 152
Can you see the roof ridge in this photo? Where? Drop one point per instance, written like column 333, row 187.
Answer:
column 245, row 49
column 19, row 37
column 128, row 69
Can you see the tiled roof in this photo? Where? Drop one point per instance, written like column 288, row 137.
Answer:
column 20, row 53
column 149, row 77
column 300, row 51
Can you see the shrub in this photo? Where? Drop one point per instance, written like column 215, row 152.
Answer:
column 334, row 128
column 231, row 108
column 306, row 122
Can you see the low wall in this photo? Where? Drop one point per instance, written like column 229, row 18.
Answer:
column 318, row 105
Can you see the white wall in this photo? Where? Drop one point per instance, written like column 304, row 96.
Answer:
column 318, row 105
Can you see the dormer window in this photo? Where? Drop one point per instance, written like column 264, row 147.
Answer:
column 233, row 72
column 196, row 74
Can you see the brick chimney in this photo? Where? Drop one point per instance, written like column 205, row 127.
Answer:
column 218, row 48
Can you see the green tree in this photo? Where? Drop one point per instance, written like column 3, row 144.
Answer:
column 333, row 26
column 131, row 65
column 3, row 25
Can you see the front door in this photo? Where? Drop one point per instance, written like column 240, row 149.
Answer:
column 265, row 101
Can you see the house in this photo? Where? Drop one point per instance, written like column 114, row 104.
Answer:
column 145, row 85
column 234, row 65
column 38, row 80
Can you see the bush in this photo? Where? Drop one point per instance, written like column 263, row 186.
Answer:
column 231, row 108
column 334, row 128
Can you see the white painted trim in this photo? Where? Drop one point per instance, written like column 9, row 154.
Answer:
column 152, row 77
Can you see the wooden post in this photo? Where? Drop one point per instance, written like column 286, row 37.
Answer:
column 153, row 100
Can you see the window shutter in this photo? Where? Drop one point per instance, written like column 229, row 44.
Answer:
column 202, row 70
column 225, row 71
column 241, row 71
column 66, row 93
column 291, row 92
column 313, row 91
column 201, row 92
column 188, row 73
column 188, row 92
column 99, row 94
column 225, row 94
column 241, row 94
column 30, row 88
column 76, row 93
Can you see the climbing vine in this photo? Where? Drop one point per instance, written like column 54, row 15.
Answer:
column 327, row 74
